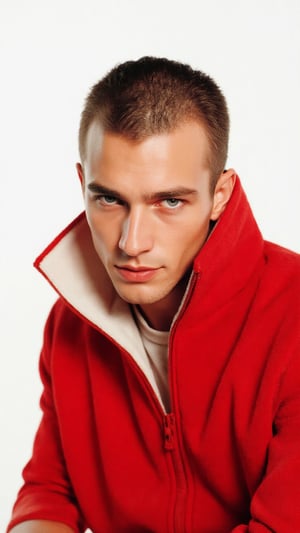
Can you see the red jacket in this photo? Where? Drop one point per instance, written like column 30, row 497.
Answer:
column 227, row 458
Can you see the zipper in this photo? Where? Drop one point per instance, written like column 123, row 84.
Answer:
column 179, row 485
column 173, row 441
column 169, row 426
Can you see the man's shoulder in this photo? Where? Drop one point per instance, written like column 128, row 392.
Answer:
column 65, row 328
column 63, row 314
column 282, row 273
column 278, row 256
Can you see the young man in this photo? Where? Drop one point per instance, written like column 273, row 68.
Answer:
column 171, row 360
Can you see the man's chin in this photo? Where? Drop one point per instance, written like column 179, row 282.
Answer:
column 139, row 296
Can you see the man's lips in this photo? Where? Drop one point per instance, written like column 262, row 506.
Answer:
column 136, row 274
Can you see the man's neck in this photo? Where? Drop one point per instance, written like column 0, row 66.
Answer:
column 160, row 315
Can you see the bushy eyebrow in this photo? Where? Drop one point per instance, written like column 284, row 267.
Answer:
column 159, row 195
column 99, row 189
column 170, row 193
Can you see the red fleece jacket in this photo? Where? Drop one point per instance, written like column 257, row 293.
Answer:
column 227, row 458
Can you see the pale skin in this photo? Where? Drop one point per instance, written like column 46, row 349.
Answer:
column 149, row 207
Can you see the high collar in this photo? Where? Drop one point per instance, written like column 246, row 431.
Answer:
column 231, row 254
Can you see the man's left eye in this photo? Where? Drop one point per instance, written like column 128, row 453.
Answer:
column 172, row 202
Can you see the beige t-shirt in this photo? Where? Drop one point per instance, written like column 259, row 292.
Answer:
column 156, row 346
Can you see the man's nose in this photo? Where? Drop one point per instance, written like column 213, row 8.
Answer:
column 136, row 237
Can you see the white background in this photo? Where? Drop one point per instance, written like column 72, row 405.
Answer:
column 51, row 53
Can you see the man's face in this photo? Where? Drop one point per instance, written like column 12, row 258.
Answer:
column 148, row 205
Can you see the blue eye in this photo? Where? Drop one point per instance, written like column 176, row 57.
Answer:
column 172, row 202
column 108, row 200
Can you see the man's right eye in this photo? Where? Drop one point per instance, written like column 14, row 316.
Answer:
column 107, row 200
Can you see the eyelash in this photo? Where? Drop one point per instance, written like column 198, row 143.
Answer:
column 177, row 200
column 102, row 198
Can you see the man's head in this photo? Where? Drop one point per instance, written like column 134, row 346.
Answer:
column 150, row 96
column 153, row 144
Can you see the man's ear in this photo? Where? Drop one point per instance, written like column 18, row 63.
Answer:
column 80, row 175
column 222, row 193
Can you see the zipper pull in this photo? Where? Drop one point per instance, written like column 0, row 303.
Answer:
column 169, row 428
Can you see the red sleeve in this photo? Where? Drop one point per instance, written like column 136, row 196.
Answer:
column 47, row 493
column 275, row 505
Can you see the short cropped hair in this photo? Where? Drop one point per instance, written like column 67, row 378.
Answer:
column 152, row 95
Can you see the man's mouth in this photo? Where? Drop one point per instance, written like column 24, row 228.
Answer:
column 134, row 274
